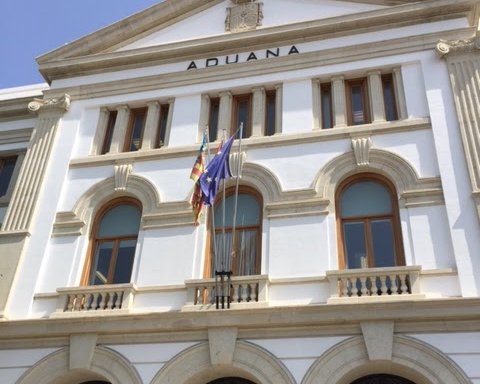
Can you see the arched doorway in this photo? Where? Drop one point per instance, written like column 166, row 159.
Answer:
column 382, row 379
column 231, row 380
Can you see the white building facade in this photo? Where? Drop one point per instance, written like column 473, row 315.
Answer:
column 356, row 242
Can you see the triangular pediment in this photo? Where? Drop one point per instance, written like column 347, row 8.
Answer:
column 212, row 21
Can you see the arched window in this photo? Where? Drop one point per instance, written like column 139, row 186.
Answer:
column 382, row 379
column 113, row 242
column 245, row 242
column 368, row 223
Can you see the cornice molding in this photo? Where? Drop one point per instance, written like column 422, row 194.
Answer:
column 446, row 314
column 57, row 65
column 15, row 109
column 253, row 68
column 279, row 140
column 15, row 136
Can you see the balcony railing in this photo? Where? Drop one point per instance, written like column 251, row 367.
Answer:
column 96, row 298
column 245, row 291
column 392, row 282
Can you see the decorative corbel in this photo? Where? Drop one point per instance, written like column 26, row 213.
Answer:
column 61, row 104
column 122, row 171
column 361, row 148
column 446, row 47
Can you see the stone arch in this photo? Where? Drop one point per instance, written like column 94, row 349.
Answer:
column 411, row 359
column 137, row 187
column 250, row 362
column 260, row 178
column 106, row 365
column 409, row 185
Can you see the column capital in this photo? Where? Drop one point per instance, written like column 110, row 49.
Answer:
column 57, row 104
column 452, row 47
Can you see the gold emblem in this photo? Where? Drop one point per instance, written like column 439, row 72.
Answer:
column 243, row 16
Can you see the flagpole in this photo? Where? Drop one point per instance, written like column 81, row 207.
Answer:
column 236, row 192
column 224, row 244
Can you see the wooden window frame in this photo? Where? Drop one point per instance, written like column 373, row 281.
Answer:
column 93, row 239
column 130, row 130
column 366, row 105
column 395, row 217
column 236, row 100
column 161, row 136
column 243, row 189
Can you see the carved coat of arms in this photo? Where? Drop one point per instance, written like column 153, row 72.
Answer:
column 243, row 16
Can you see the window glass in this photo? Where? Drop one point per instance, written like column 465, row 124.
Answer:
column 7, row 166
column 103, row 257
column 242, row 114
column 383, row 242
column 382, row 379
column 162, row 125
column 365, row 198
column 121, row 220
column 270, row 113
column 355, row 247
column 213, row 120
column 357, row 105
column 124, row 264
column 248, row 211
column 389, row 98
column 326, row 96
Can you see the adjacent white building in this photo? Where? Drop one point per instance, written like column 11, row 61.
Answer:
column 357, row 235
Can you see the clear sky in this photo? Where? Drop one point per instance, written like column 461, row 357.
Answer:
column 30, row 28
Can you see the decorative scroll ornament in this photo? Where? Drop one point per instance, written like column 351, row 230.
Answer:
column 244, row 16
column 361, row 148
column 445, row 47
column 62, row 104
column 122, row 171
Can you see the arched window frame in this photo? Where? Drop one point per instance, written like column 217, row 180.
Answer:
column 395, row 216
column 94, row 230
column 243, row 189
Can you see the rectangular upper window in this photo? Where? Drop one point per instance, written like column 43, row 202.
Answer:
column 326, row 105
column 213, row 119
column 242, row 114
column 136, row 126
column 107, row 140
column 357, row 102
column 389, row 98
column 270, row 112
column 162, row 125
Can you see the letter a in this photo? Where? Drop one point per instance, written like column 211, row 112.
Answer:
column 192, row 65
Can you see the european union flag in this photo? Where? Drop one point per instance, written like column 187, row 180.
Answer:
column 215, row 171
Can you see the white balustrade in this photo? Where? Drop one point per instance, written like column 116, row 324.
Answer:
column 96, row 298
column 372, row 282
column 243, row 290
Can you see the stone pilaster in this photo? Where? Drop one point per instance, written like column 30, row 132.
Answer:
column 120, row 129
column 151, row 126
column 278, row 108
column 317, row 105
column 204, row 116
column 377, row 105
column 463, row 63
column 100, row 132
column 399, row 94
column 258, row 113
column 225, row 114
column 16, row 226
column 171, row 104
column 339, row 102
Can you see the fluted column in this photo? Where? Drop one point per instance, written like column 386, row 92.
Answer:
column 120, row 129
column 377, row 105
column 463, row 63
column 225, row 114
column 339, row 102
column 258, row 115
column 151, row 126
column 22, row 204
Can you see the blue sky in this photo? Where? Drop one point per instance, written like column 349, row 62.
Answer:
column 30, row 28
